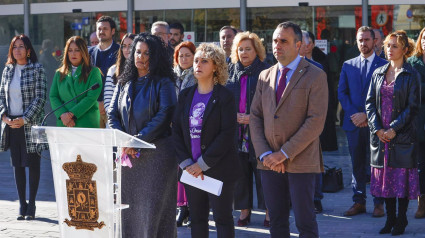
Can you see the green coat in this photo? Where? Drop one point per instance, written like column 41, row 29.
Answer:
column 85, row 108
column 418, row 64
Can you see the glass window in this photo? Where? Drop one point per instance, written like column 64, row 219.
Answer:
column 9, row 27
column 4, row 2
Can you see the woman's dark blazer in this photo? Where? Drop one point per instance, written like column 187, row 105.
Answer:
column 159, row 98
column 406, row 103
column 218, row 146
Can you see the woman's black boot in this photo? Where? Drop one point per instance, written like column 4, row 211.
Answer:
column 30, row 215
column 401, row 223
column 390, row 205
column 22, row 211
column 182, row 215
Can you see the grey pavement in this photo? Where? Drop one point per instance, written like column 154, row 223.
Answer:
column 331, row 222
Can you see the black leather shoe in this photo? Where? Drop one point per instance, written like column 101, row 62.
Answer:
column 182, row 215
column 30, row 215
column 318, row 207
column 22, row 212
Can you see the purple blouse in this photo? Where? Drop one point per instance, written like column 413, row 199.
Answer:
column 196, row 114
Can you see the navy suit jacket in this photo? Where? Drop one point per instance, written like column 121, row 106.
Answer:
column 352, row 91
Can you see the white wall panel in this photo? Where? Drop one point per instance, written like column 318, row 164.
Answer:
column 11, row 9
column 139, row 5
column 183, row 4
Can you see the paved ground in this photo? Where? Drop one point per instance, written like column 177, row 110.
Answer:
column 331, row 222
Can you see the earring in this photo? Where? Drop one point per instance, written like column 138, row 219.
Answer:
column 28, row 55
column 215, row 81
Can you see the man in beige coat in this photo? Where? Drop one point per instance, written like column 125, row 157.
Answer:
column 287, row 116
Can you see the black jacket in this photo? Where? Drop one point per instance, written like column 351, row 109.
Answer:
column 218, row 147
column 159, row 99
column 418, row 64
column 406, row 103
column 233, row 84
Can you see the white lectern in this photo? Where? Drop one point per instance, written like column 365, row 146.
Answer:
column 86, row 178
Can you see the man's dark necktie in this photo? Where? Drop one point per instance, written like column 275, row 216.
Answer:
column 281, row 84
column 364, row 71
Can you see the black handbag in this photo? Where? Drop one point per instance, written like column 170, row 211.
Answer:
column 4, row 132
column 332, row 180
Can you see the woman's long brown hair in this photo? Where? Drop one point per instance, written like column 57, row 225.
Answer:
column 65, row 67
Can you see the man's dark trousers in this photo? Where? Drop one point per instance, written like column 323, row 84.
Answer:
column 359, row 147
column 278, row 190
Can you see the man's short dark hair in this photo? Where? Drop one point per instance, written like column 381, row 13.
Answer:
column 229, row 27
column 295, row 28
column 381, row 33
column 178, row 26
column 366, row 29
column 311, row 36
column 107, row 19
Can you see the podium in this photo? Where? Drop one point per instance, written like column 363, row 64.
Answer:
column 86, row 178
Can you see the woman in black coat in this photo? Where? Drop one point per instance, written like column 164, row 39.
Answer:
column 142, row 106
column 247, row 56
column 392, row 106
column 204, row 127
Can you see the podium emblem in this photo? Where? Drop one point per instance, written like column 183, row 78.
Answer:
column 82, row 195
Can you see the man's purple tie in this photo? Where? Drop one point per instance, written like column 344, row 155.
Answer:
column 281, row 84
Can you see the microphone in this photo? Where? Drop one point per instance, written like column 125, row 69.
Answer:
column 93, row 87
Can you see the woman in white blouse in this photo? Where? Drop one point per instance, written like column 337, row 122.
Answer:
column 22, row 97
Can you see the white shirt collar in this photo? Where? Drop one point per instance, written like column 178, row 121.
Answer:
column 369, row 59
column 98, row 46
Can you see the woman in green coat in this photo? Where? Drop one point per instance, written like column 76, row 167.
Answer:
column 74, row 77
column 418, row 62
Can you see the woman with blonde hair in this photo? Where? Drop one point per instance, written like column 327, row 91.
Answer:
column 74, row 77
column 418, row 62
column 392, row 105
column 22, row 97
column 247, row 56
column 204, row 126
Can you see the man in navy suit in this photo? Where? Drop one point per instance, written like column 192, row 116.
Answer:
column 354, row 83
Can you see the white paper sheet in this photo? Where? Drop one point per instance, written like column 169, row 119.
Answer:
column 209, row 184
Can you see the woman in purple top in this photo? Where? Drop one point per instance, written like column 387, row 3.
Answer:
column 204, row 126
column 247, row 56
column 392, row 106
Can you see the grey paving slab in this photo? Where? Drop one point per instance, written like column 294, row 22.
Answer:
column 331, row 222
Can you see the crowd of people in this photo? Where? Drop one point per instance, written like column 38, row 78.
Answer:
column 223, row 112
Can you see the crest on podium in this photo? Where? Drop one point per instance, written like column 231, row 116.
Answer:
column 82, row 195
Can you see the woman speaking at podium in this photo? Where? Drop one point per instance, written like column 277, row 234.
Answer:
column 142, row 106
column 74, row 77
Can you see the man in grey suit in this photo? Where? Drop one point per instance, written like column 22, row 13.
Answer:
column 287, row 116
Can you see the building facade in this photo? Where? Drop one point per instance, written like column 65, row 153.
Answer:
column 334, row 22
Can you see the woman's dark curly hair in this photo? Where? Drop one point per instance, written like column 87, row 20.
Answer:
column 159, row 60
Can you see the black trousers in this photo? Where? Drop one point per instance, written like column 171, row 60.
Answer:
column 421, row 167
column 244, row 190
column 21, row 159
column 200, row 200
column 279, row 189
